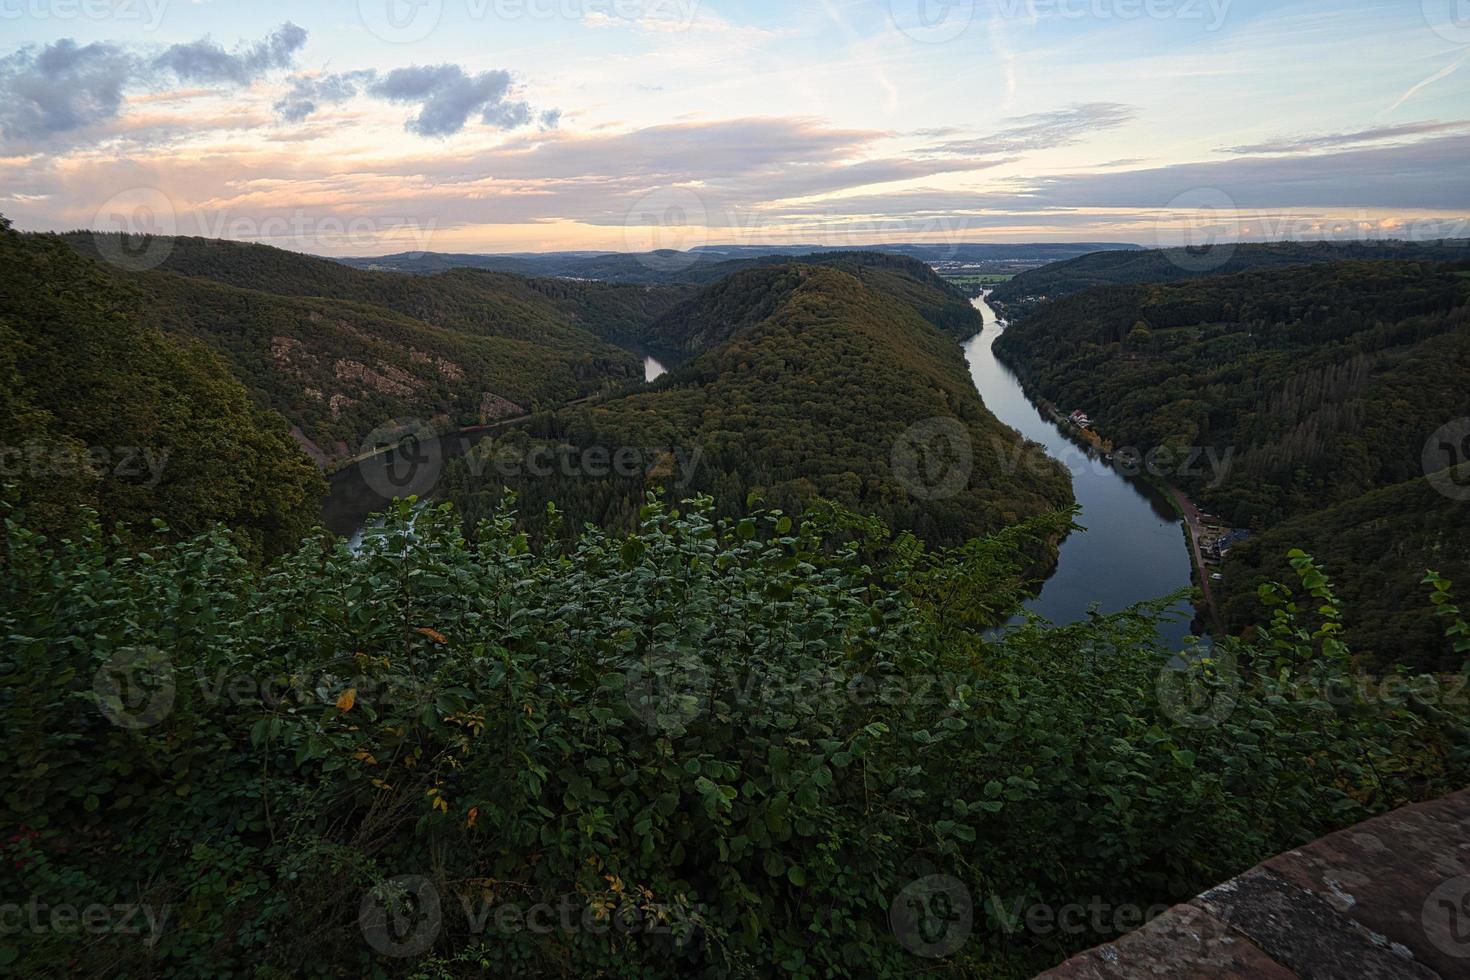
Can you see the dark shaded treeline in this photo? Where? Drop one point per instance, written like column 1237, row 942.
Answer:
column 1120, row 268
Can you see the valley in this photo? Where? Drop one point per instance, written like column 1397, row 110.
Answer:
column 701, row 490
column 802, row 528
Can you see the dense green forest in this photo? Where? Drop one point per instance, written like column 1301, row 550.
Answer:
column 711, row 748
column 1028, row 290
column 744, row 295
column 340, row 352
column 810, row 380
column 100, row 409
column 474, row 301
column 1374, row 544
column 1322, row 383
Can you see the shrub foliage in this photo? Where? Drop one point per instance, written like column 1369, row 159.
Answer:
column 744, row 738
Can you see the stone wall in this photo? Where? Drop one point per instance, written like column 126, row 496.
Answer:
column 1389, row 898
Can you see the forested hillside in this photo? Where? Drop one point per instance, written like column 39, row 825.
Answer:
column 475, row 301
column 1025, row 291
column 748, row 293
column 1375, row 547
column 340, row 352
column 808, row 380
column 99, row 408
column 1321, row 382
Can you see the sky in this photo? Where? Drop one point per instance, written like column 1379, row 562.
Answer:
column 361, row 127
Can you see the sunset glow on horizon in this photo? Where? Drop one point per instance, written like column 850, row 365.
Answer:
column 360, row 127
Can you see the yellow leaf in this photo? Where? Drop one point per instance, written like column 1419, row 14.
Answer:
column 347, row 700
column 474, row 815
column 434, row 635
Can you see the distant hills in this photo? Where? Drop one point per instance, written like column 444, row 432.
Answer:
column 1116, row 268
column 708, row 263
column 716, row 312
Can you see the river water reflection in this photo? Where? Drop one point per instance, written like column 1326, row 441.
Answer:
column 1134, row 547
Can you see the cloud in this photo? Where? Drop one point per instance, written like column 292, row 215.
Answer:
column 447, row 96
column 65, row 87
column 757, row 159
column 1434, row 173
column 1305, row 144
column 1044, row 130
column 756, row 180
column 62, row 87
column 206, row 61
column 309, row 92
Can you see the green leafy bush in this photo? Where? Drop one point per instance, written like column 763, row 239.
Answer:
column 743, row 736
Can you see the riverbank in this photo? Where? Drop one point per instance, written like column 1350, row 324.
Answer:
column 1097, row 450
column 1194, row 530
column 1132, row 547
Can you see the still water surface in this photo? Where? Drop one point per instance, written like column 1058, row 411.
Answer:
column 1134, row 547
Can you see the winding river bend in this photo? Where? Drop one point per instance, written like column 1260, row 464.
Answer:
column 1134, row 547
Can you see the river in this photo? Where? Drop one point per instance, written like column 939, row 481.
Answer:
column 1134, row 546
